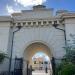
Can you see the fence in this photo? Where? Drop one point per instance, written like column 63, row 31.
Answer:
column 18, row 68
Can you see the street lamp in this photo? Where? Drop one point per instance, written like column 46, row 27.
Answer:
column 10, row 58
column 55, row 25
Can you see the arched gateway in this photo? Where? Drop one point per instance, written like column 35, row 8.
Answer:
column 37, row 34
column 31, row 50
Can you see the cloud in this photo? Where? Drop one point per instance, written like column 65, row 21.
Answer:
column 10, row 9
column 20, row 4
column 27, row 3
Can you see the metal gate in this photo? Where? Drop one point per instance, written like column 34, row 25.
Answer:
column 18, row 66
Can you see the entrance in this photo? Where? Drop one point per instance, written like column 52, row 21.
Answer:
column 39, row 57
column 41, row 63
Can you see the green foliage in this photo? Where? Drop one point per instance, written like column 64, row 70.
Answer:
column 2, row 56
column 67, row 69
column 60, row 67
column 70, row 55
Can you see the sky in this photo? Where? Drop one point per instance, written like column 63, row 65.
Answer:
column 41, row 54
column 8, row 7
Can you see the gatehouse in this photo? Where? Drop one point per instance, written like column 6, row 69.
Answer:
column 28, row 32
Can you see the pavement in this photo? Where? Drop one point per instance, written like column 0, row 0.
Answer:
column 40, row 72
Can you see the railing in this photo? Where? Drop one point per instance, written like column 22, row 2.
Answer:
column 18, row 68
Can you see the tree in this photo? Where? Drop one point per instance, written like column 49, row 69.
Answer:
column 67, row 66
column 2, row 56
column 70, row 55
column 67, row 69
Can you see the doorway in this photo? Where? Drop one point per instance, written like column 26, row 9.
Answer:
column 39, row 57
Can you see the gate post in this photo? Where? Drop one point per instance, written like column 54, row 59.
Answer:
column 27, row 67
column 30, row 69
column 53, row 65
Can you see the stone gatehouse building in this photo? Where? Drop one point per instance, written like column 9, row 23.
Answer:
column 37, row 34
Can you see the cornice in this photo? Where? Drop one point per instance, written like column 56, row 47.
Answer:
column 5, row 19
column 45, row 22
column 68, row 15
column 35, row 19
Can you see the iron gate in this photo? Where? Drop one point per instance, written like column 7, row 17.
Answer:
column 18, row 66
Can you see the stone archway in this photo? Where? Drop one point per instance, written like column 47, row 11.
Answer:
column 33, row 48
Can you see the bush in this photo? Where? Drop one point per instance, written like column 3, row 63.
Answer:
column 70, row 54
column 2, row 56
column 67, row 69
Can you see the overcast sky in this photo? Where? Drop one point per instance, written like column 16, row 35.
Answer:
column 10, row 6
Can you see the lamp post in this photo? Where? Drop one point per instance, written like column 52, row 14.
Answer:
column 55, row 25
column 10, row 58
